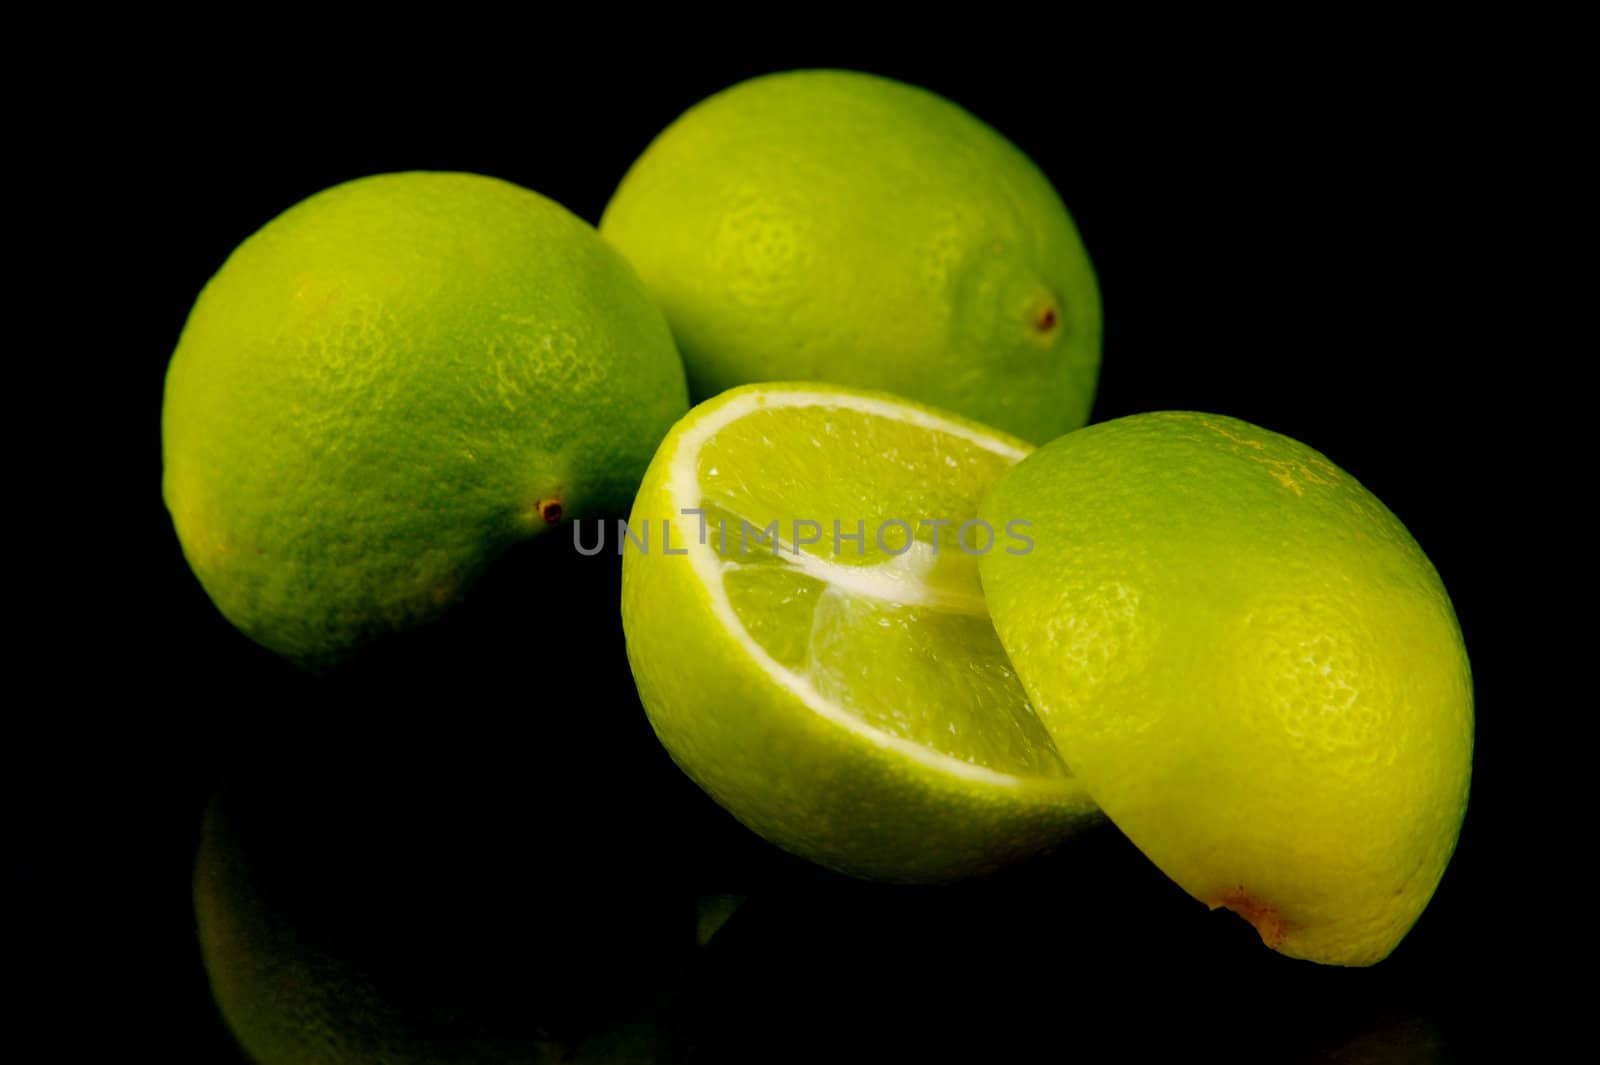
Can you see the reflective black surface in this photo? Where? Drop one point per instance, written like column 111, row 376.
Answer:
column 470, row 841
column 473, row 832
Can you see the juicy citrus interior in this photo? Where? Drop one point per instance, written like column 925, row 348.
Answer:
column 889, row 629
column 846, row 697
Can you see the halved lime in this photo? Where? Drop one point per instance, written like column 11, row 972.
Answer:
column 804, row 621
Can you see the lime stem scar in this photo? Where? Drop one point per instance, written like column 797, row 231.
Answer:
column 550, row 510
column 1046, row 320
column 1266, row 920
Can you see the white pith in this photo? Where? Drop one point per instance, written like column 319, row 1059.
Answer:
column 882, row 582
column 899, row 580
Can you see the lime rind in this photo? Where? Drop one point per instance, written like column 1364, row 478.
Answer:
column 1256, row 669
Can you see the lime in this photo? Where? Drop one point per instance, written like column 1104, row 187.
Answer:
column 809, row 638
column 1252, row 666
column 836, row 226
column 390, row 383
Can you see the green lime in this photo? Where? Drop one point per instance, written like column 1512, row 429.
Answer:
column 1252, row 666
column 390, row 383
column 835, row 226
column 809, row 638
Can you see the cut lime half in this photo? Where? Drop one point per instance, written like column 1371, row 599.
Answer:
column 809, row 637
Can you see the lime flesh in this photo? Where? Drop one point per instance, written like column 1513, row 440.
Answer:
column 847, row 698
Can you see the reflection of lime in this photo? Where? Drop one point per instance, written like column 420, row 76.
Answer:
column 1136, row 946
column 834, row 226
column 1251, row 664
column 846, row 699
column 390, row 383
column 360, row 922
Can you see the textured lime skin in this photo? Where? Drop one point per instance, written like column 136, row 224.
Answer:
column 836, row 226
column 386, row 385
column 801, row 781
column 1252, row 666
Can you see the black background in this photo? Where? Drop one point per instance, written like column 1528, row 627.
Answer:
column 1290, row 235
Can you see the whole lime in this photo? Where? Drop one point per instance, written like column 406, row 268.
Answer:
column 837, row 226
column 390, row 383
column 1250, row 664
